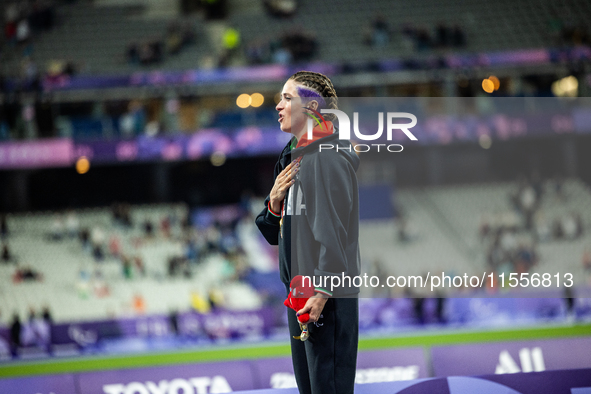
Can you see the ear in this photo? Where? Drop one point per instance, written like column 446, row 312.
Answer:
column 313, row 104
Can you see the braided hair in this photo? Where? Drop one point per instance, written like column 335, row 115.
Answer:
column 320, row 84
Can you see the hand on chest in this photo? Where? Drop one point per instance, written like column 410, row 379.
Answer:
column 295, row 203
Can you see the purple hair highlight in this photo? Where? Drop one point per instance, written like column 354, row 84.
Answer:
column 308, row 93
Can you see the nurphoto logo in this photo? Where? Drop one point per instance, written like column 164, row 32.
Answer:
column 345, row 129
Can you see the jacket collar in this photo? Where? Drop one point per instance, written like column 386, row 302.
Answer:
column 319, row 131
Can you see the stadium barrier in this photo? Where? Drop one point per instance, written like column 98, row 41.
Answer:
column 385, row 371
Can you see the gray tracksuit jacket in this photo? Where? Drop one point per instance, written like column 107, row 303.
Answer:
column 318, row 229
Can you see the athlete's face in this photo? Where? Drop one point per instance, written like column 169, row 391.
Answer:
column 291, row 114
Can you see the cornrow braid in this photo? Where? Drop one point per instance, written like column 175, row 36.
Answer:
column 321, row 84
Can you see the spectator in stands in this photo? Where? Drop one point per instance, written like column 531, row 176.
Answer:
column 23, row 31
column 97, row 236
column 557, row 229
column 558, row 186
column 148, row 229
column 133, row 122
column 126, row 267
column 215, row 9
column 569, row 301
column 15, row 333
column 231, row 41
column 82, row 285
column 458, row 37
column 172, row 266
column 132, row 53
column 25, row 274
column 157, row 48
column 294, row 47
column 178, row 265
column 46, row 314
column 423, row 39
column 84, row 236
column 280, row 54
column 57, row 228
column 31, row 313
column 419, row 310
column 115, row 246
column 179, row 35
column 402, row 227
column 485, row 227
column 139, row 304
column 173, row 319
column 575, row 35
column 281, row 8
column 72, row 224
column 440, row 308
column 526, row 201
column 48, row 320
column 185, row 221
column 139, row 265
column 538, row 185
column 7, row 256
column 174, row 38
column 586, row 261
column 258, row 51
column 98, row 242
column 380, row 32
column 526, row 255
column 30, row 77
column 527, row 198
column 146, row 52
column 528, row 204
column 495, row 257
column 188, row 32
column 70, row 68
column 443, row 35
column 126, row 215
column 212, row 238
column 116, row 213
column 301, row 45
column 420, row 38
column 569, row 226
column 99, row 285
column 4, row 127
column 11, row 14
column 42, row 15
column 228, row 242
column 555, row 26
column 59, row 72
column 507, row 240
column 3, row 226
column 246, row 203
column 579, row 224
column 409, row 36
column 40, row 330
column 543, row 231
column 165, row 226
column 191, row 250
column 216, row 298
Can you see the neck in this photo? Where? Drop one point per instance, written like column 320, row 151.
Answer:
column 299, row 134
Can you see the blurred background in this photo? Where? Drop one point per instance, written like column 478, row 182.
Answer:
column 138, row 140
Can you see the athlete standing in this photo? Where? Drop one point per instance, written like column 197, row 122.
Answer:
column 312, row 213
